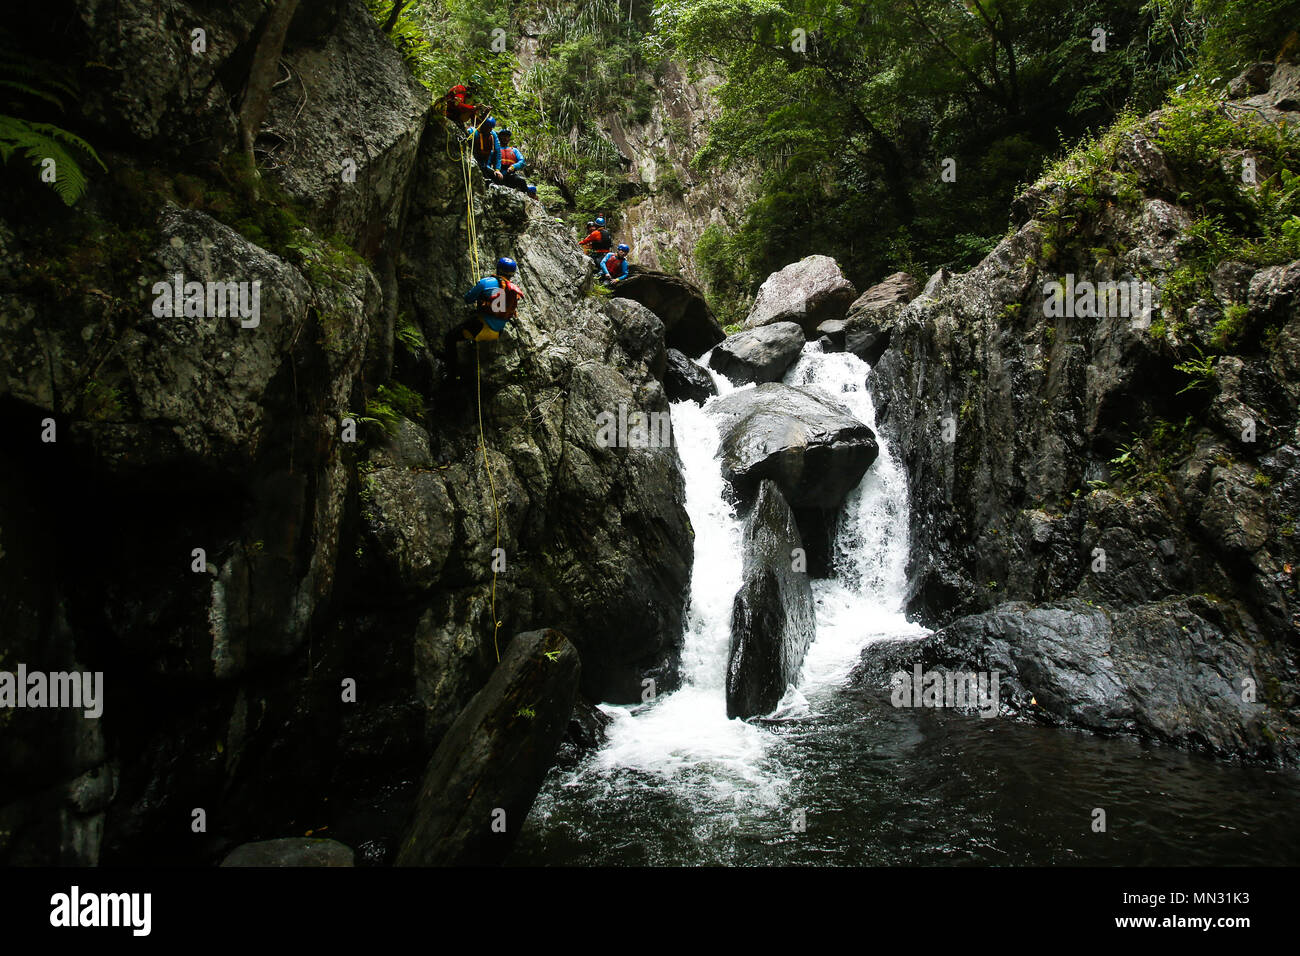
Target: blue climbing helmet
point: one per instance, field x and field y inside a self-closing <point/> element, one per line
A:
<point x="600" y="220"/>
<point x="503" y="133"/>
<point x="506" y="266"/>
<point x="489" y="122"/>
<point x="622" y="247"/>
<point x="532" y="190"/>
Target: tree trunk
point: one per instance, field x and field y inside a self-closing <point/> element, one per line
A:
<point x="394" y="15"/>
<point x="261" y="74"/>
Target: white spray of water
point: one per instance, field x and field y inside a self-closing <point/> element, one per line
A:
<point x="685" y="736"/>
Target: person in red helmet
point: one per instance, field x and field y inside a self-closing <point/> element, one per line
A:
<point x="455" y="106"/>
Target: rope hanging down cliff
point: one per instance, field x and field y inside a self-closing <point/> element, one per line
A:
<point x="467" y="167"/>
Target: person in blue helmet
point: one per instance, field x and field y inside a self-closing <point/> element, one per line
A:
<point x="613" y="268"/>
<point x="496" y="300"/>
<point x="598" y="242"/>
<point x="512" y="162"/>
<point x="487" y="150"/>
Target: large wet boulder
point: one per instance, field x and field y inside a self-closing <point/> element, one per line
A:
<point x="686" y="381"/>
<point x="812" y="447"/>
<point x="486" y="772"/>
<point x="772" y="618"/>
<point x="689" y="324"/>
<point x="291" y="851"/>
<point x="759" y="355"/>
<point x="1166" y="669"/>
<point x="343" y="137"/>
<point x="807" y="292"/>
<point x="865" y="330"/>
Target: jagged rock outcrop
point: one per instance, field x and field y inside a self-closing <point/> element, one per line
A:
<point x="808" y="292"/>
<point x="1054" y="457"/>
<point x="686" y="381"/>
<point x="865" y="331"/>
<point x="772" y="619"/>
<point x="678" y="200"/>
<point x="355" y="555"/>
<point x="689" y="325"/>
<point x="483" y="779"/>
<point x="759" y="355"/>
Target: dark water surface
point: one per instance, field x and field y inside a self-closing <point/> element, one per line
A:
<point x="885" y="786"/>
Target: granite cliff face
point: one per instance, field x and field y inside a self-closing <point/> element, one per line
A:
<point x="1139" y="509"/>
<point x="299" y="672"/>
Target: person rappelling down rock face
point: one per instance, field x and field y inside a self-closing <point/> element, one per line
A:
<point x="495" y="299"/>
<point x="613" y="267"/>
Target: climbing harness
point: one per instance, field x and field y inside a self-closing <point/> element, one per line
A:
<point x="467" y="167"/>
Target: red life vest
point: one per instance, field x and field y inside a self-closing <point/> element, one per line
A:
<point x="509" y="156"/>
<point x="501" y="302"/>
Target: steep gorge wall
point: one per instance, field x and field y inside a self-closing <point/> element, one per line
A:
<point x="324" y="561"/>
<point x="680" y="201"/>
<point x="1161" y="603"/>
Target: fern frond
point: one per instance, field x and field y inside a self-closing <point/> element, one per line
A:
<point x="41" y="141"/>
<point x="33" y="91"/>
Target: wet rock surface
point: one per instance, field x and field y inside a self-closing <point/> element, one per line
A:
<point x="772" y="619"/>
<point x="483" y="779"/>
<point x="1170" y="670"/>
<point x="689" y="325"/>
<point x="809" y="445"/>
<point x="684" y="380"/>
<point x="759" y="355"/>
<point x="292" y="851"/>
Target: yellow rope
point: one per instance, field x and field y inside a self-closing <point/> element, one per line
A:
<point x="467" y="165"/>
<point x="496" y="510"/>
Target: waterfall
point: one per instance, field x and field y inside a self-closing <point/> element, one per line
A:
<point x="685" y="736"/>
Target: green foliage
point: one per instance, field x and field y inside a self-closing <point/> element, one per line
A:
<point x="1217" y="37"/>
<point x="391" y="402"/>
<point x="1199" y="371"/>
<point x="30" y="88"/>
<point x="409" y="335"/>
<point x="722" y="265"/>
<point x="851" y="134"/>
<point x="408" y="36"/>
<point x="1147" y="461"/>
<point x="597" y="193"/>
<point x="1229" y="330"/>
<point x="101" y="402"/>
